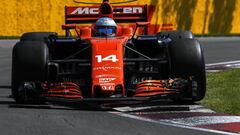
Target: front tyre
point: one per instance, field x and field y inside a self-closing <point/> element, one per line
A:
<point x="29" y="65"/>
<point x="187" y="61"/>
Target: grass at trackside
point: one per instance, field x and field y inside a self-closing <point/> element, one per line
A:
<point x="223" y="92"/>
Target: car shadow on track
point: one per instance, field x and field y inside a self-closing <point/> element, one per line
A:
<point x="159" y="106"/>
<point x="81" y="107"/>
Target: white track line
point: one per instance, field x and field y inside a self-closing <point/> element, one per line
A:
<point x="192" y="108"/>
<point x="203" y="120"/>
<point x="174" y="125"/>
<point x="223" y="63"/>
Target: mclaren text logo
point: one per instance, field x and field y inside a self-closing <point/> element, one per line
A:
<point x="95" y="10"/>
<point x="85" y="11"/>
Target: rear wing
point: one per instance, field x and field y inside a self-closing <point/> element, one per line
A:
<point x="121" y="14"/>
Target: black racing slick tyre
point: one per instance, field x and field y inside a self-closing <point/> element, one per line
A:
<point x="187" y="61"/>
<point x="29" y="65"/>
<point x="179" y="34"/>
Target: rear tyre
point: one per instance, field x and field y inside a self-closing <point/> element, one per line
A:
<point x="38" y="36"/>
<point x="186" y="60"/>
<point x="29" y="65"/>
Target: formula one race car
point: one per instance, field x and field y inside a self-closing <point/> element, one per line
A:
<point x="106" y="61"/>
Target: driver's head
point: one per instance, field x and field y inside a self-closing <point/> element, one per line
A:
<point x="105" y="26"/>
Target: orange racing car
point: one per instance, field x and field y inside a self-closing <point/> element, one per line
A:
<point x="106" y="60"/>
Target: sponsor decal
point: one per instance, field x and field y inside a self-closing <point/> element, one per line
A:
<point x="106" y="80"/>
<point x="107" y="84"/>
<point x="85" y="11"/>
<point x="95" y="10"/>
<point x="97" y="2"/>
<point x="106" y="87"/>
<point x="106" y="68"/>
<point x="131" y="10"/>
<point x="106" y="76"/>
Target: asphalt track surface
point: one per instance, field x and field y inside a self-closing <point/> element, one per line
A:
<point x="58" y="120"/>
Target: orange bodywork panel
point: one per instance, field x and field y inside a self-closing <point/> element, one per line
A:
<point x="85" y="32"/>
<point x="63" y="89"/>
<point x="107" y="63"/>
<point x="154" y="87"/>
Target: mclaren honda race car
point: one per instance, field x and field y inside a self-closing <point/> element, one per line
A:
<point x="106" y="60"/>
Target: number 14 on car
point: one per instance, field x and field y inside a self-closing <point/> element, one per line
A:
<point x="112" y="58"/>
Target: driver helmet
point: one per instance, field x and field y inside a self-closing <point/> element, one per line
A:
<point x="105" y="26"/>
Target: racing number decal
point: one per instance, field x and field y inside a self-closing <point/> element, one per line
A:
<point x="112" y="58"/>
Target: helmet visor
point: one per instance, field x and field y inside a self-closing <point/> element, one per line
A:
<point x="106" y="30"/>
